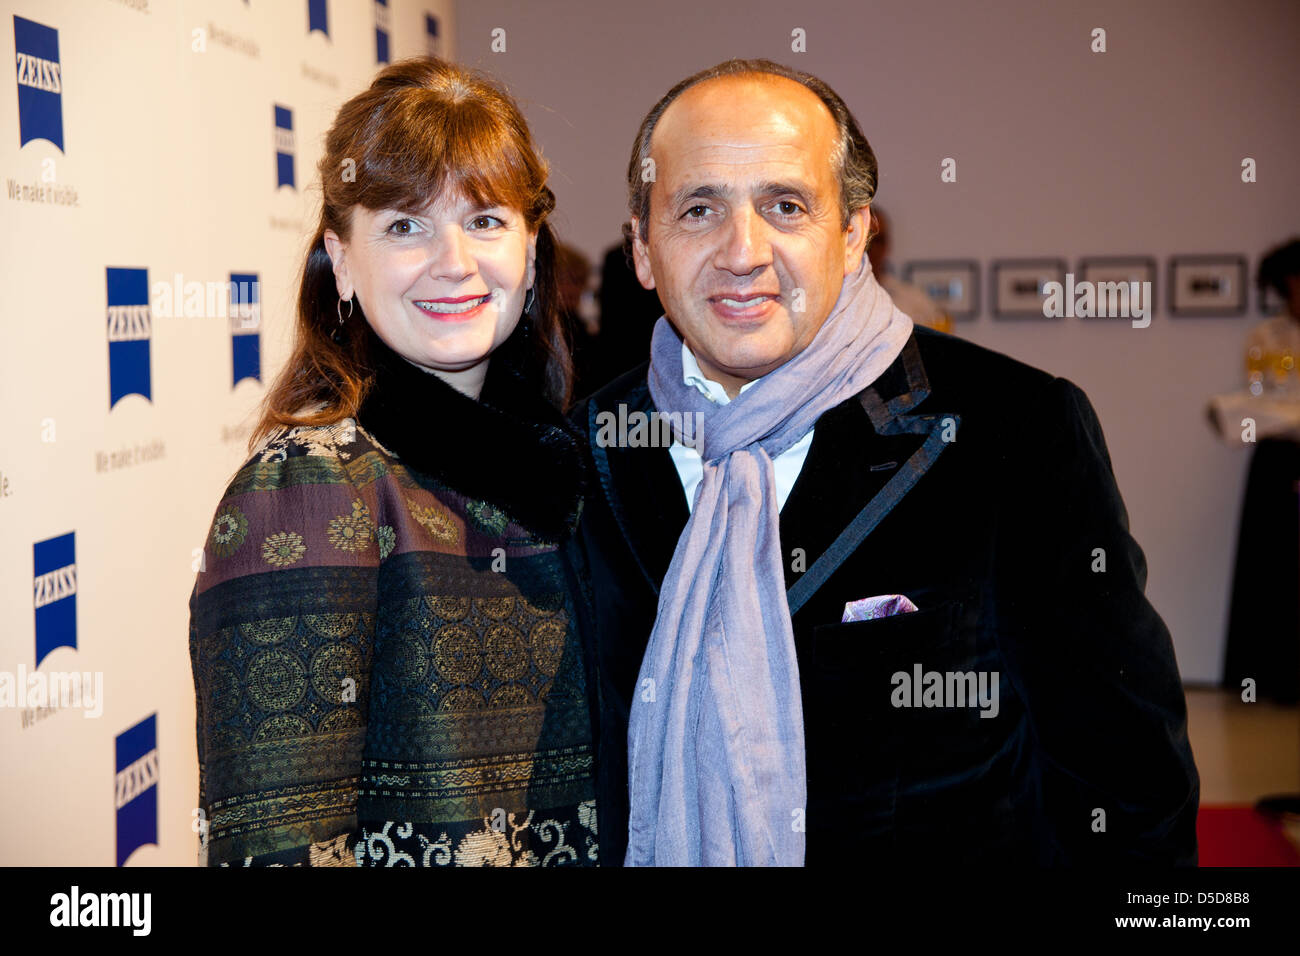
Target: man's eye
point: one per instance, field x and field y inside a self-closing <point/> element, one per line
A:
<point x="787" y="207"/>
<point x="701" y="209"/>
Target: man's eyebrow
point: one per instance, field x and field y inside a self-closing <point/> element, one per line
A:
<point x="769" y="188"/>
<point x="774" y="188"/>
<point x="698" y="192"/>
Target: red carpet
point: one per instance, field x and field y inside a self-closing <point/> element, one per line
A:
<point x="1239" y="836"/>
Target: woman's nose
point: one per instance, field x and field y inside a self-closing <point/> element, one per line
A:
<point x="452" y="260"/>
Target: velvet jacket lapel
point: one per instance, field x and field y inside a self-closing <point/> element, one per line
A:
<point x="510" y="448"/>
<point x="868" y="451"/>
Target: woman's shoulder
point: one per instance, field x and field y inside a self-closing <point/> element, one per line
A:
<point x="305" y="498"/>
<point x="323" y="453"/>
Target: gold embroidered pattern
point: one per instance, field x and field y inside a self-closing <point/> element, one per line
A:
<point x="456" y="653"/>
<point x="324" y="441"/>
<point x="502" y="839"/>
<point x="276" y="680"/>
<point x="352" y="532"/>
<point x="267" y="631"/>
<point x="437" y="521"/>
<point x="283" y="548"/>
<point x="387" y="538"/>
<point x="228" y="531"/>
<point x="450" y="607"/>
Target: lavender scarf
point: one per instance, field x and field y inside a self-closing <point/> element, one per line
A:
<point x="715" y="738"/>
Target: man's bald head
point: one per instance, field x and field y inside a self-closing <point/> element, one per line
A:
<point x="853" y="160"/>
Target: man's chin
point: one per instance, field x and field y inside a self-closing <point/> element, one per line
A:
<point x="745" y="366"/>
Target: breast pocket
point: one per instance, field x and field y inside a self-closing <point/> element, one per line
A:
<point x="860" y="745"/>
<point x="859" y="651"/>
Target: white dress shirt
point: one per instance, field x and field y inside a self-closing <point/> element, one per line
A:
<point x="690" y="467"/>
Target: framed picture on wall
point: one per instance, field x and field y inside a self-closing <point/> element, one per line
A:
<point x="953" y="284"/>
<point x="1020" y="286"/>
<point x="1125" y="270"/>
<point x="1270" y="303"/>
<point x="1212" y="285"/>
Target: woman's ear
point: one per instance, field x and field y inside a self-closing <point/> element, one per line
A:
<point x="336" y="250"/>
<point x="531" y="277"/>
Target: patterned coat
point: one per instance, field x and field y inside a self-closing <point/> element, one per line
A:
<point x="383" y="637"/>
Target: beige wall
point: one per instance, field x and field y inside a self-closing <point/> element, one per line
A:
<point x="1060" y="152"/>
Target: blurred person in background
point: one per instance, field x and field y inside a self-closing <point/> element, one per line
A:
<point x="912" y="299"/>
<point x="1264" y="622"/>
<point x="578" y="315"/>
<point x="628" y="313"/>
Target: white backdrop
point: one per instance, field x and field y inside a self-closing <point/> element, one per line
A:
<point x="168" y="165"/>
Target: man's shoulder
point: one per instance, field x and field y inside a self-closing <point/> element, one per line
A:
<point x="1005" y="397"/>
<point x="960" y="370"/>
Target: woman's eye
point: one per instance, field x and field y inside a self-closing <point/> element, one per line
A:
<point x="485" y="222"/>
<point x="395" y="227"/>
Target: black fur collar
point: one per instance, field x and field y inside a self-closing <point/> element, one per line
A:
<point x="510" y="448"/>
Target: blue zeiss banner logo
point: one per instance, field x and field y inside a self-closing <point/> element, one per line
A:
<point x="284" y="147"/>
<point x="130" y="325"/>
<point x="245" y="327"/>
<point x="40" y="83"/>
<point x="136" y="787"/>
<point x="54" y="578"/>
<point x="316" y="17"/>
<point x="381" y="31"/>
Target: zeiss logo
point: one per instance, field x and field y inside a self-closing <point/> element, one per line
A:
<point x="136" y="788"/>
<point x="40" y="83"/>
<point x="316" y="17"/>
<point x="54" y="563"/>
<point x="381" y="31"/>
<point x="245" y="323"/>
<point x="284" y="147"/>
<point x="130" y="325"/>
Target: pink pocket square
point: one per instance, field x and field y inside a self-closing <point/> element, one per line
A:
<point x="882" y="605"/>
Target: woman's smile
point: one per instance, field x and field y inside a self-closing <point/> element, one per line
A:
<point x="454" y="310"/>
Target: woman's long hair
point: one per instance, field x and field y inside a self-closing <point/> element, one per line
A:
<point x="423" y="127"/>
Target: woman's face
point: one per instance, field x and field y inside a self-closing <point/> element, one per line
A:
<point x="442" y="286"/>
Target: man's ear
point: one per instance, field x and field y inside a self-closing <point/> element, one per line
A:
<point x="855" y="239"/>
<point x="641" y="256"/>
<point x="334" y="246"/>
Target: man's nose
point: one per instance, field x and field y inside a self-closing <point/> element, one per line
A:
<point x="452" y="260"/>
<point x="745" y="244"/>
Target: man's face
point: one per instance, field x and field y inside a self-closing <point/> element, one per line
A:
<point x="745" y="243"/>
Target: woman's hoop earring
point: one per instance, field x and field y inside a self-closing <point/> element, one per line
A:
<point x="335" y="337"/>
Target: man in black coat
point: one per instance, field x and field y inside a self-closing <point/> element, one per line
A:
<point x="1030" y="710"/>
